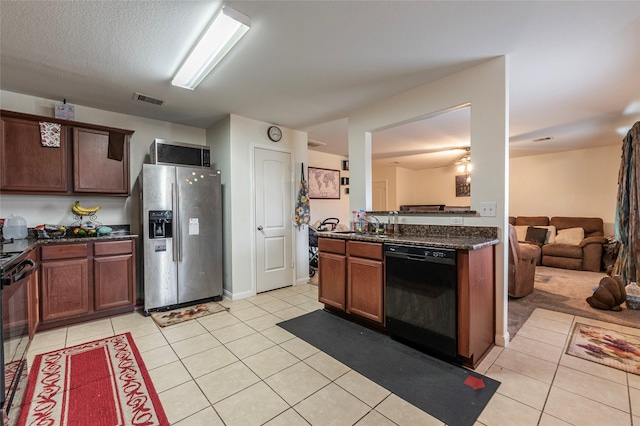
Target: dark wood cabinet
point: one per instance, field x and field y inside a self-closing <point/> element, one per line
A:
<point x="476" y="304"/>
<point x="64" y="273"/>
<point x="113" y="274"/>
<point x="93" y="170"/>
<point x="84" y="281"/>
<point x="332" y="269"/>
<point x="27" y="165"/>
<point x="352" y="278"/>
<point x="80" y="165"/>
<point x="365" y="280"/>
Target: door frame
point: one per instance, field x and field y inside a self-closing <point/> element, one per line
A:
<point x="254" y="258"/>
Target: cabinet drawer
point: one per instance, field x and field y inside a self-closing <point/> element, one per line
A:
<point x="366" y="250"/>
<point x="329" y="245"/>
<point x="109" y="248"/>
<point x="63" y="251"/>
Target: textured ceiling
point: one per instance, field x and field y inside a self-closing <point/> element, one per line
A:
<point x="307" y="64"/>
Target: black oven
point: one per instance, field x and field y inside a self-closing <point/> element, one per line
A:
<point x="15" y="327"/>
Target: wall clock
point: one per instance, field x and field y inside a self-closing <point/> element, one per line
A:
<point x="275" y="134"/>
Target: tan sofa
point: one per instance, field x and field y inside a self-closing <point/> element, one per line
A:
<point x="579" y="240"/>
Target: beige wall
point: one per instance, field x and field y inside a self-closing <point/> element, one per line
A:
<point x="233" y="140"/>
<point x="322" y="209"/>
<point x="573" y="183"/>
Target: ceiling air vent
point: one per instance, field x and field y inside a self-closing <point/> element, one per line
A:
<point x="148" y="99"/>
<point x="546" y="138"/>
<point x="313" y="144"/>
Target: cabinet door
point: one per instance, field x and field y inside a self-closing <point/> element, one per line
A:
<point x="93" y="170"/>
<point x="113" y="281"/>
<point x="65" y="289"/>
<point x="331" y="283"/>
<point x="365" y="288"/>
<point x="27" y="165"/>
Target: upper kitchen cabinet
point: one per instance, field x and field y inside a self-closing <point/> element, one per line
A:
<point x="99" y="163"/>
<point x="43" y="155"/>
<point x="27" y="165"/>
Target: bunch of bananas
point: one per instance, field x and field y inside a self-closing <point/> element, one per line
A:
<point x="78" y="210"/>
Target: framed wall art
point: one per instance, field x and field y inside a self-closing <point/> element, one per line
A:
<point x="463" y="185"/>
<point x="324" y="183"/>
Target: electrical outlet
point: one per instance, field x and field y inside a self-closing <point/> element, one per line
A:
<point x="455" y="221"/>
<point x="488" y="208"/>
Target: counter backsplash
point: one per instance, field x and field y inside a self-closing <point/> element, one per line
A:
<point x="449" y="231"/>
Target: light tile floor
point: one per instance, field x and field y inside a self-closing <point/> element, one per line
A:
<point x="240" y="368"/>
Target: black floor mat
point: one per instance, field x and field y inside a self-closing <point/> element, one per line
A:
<point x="448" y="392"/>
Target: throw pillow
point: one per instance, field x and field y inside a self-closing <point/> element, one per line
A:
<point x="536" y="235"/>
<point x="551" y="233"/>
<point x="572" y="236"/>
<point x="521" y="231"/>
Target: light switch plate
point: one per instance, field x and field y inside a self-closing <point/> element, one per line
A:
<point x="488" y="208"/>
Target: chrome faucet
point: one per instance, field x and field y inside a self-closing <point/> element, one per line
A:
<point x="374" y="228"/>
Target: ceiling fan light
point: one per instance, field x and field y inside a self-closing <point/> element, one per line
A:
<point x="226" y="29"/>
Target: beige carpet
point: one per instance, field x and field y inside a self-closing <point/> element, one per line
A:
<point x="564" y="290"/>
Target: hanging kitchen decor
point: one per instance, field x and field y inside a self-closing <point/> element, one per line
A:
<point x="301" y="215"/>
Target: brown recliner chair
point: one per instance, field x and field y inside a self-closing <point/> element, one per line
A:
<point x="522" y="265"/>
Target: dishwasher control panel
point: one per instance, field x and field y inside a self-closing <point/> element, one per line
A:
<point x="426" y="253"/>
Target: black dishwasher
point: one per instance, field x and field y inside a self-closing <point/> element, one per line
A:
<point x="422" y="298"/>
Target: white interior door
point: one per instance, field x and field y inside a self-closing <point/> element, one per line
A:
<point x="274" y="235"/>
<point x="379" y="194"/>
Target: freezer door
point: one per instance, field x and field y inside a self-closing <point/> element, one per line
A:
<point x="200" y="234"/>
<point x="160" y="269"/>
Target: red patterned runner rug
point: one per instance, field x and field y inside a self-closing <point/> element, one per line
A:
<point x="103" y="382"/>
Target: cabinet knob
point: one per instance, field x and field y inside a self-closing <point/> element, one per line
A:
<point x="260" y="228"/>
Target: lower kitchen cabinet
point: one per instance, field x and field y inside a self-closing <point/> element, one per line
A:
<point x="332" y="272"/>
<point x="476" y="304"/>
<point x="365" y="280"/>
<point x="84" y="281"/>
<point x="351" y="278"/>
<point x="65" y="281"/>
<point x="113" y="274"/>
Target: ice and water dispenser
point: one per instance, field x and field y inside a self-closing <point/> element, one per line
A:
<point x="160" y="224"/>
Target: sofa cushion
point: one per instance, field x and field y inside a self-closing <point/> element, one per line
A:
<point x="536" y="235"/>
<point x="532" y="220"/>
<point x="562" y="250"/>
<point x="571" y="236"/>
<point x="593" y="226"/>
<point x="521" y="231"/>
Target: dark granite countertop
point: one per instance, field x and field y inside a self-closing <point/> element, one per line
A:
<point x="20" y="247"/>
<point x="466" y="238"/>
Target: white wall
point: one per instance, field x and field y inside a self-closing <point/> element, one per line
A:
<point x="485" y="87"/>
<point x="233" y="141"/>
<point x="574" y="183"/>
<point x="322" y="209"/>
<point x="56" y="209"/>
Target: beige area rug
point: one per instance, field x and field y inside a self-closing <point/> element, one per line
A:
<point x="608" y="347"/>
<point x="564" y="290"/>
<point x="176" y="316"/>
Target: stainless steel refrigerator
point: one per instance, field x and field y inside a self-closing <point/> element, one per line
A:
<point x="181" y="218"/>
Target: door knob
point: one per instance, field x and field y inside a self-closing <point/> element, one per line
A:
<point x="260" y="228"/>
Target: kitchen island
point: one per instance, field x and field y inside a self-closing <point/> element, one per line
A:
<point x="353" y="279"/>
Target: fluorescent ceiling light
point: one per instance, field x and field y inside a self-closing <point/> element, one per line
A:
<point x="227" y="27"/>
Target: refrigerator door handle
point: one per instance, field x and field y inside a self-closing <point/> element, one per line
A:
<point x="178" y="223"/>
<point x="175" y="222"/>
